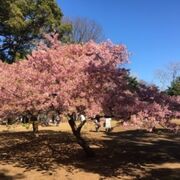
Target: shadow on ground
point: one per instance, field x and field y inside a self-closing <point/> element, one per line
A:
<point x="129" y="153"/>
<point x="4" y="176"/>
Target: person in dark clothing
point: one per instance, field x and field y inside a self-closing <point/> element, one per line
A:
<point x="97" y="122"/>
<point x="72" y="117"/>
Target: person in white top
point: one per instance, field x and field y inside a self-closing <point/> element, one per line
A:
<point x="82" y="118"/>
<point x="108" y="124"/>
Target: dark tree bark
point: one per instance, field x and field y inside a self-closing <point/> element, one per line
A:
<point x="77" y="133"/>
<point x="35" y="125"/>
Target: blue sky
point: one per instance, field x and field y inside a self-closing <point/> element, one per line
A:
<point x="149" y="28"/>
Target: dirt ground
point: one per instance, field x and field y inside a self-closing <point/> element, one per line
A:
<point x="121" y="154"/>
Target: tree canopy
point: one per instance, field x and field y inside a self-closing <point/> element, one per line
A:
<point x="67" y="76"/>
<point x="22" y="23"/>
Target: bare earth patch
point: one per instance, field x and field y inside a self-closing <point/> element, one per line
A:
<point x="121" y="154"/>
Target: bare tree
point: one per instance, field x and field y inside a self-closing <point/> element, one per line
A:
<point x="162" y="77"/>
<point x="174" y="70"/>
<point x="167" y="75"/>
<point x="84" y="29"/>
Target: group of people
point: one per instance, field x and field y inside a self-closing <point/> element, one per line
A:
<point x="99" y="121"/>
<point x="103" y="121"/>
<point x="45" y="119"/>
<point x="75" y="116"/>
<point x="54" y="118"/>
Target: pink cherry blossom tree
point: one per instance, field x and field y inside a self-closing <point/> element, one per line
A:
<point x="71" y="77"/>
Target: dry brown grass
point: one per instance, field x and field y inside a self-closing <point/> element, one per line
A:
<point x="121" y="154"/>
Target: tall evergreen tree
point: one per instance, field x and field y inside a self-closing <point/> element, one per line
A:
<point x="22" y="24"/>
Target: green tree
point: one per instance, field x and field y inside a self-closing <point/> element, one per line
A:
<point x="22" y="24"/>
<point x="174" y="89"/>
<point x="133" y="82"/>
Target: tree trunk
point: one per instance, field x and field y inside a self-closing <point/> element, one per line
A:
<point x="77" y="133"/>
<point x="35" y="125"/>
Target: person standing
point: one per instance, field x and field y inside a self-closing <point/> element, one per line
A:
<point x="108" y="124"/>
<point x="97" y="122"/>
<point x="82" y="117"/>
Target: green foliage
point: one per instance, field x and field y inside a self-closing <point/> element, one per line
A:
<point x="174" y="89"/>
<point x="132" y="82"/>
<point x="22" y="24"/>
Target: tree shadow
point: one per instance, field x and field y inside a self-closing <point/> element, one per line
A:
<point x="40" y="153"/>
<point x="133" y="152"/>
<point x="163" y="173"/>
<point x="4" y="176"/>
<point x="128" y="153"/>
